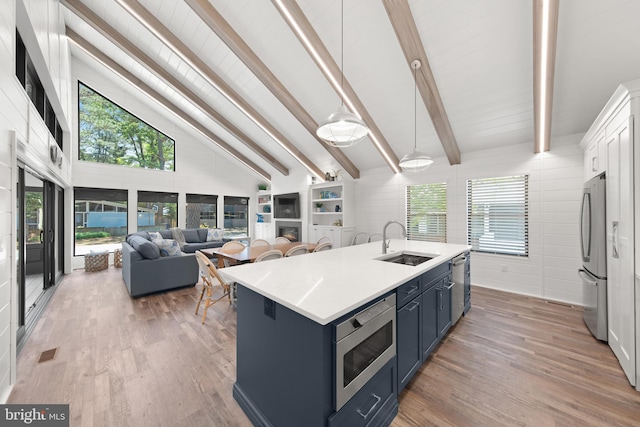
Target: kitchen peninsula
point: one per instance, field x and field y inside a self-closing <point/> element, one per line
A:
<point x="297" y="314"/>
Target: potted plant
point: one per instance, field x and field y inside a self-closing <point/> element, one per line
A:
<point x="262" y="187"/>
<point x="318" y="207"/>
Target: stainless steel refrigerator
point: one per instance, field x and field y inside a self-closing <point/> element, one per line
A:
<point x="593" y="244"/>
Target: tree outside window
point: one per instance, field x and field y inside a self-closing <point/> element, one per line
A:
<point x="157" y="211"/>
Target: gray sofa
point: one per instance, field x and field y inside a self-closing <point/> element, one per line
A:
<point x="145" y="271"/>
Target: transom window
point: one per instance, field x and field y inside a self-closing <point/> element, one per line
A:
<point x="498" y="215"/>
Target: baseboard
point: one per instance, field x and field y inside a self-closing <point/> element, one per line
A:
<point x="254" y="414"/>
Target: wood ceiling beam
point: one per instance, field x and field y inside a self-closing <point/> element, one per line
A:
<point x="142" y="86"/>
<point x="408" y="36"/>
<point x="290" y="11"/>
<point x="232" y="39"/>
<point x="120" y="41"/>
<point x="544" y="65"/>
<point x="150" y="22"/>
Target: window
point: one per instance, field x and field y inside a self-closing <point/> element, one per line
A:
<point x="201" y="211"/>
<point x="236" y="216"/>
<point x="427" y="212"/>
<point x="498" y="215"/>
<point x="100" y="219"/>
<point x="157" y="211"/>
<point x="110" y="134"/>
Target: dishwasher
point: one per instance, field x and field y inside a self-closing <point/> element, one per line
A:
<point x="457" y="291"/>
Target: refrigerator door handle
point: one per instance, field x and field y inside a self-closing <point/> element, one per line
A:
<point x="586" y="205"/>
<point x="586" y="277"/>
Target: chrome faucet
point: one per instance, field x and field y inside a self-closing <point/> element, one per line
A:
<point x="385" y="244"/>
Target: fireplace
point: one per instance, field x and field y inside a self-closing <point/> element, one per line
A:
<point x="292" y="230"/>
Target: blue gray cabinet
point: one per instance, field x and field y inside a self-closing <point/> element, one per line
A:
<point x="423" y="320"/>
<point x="467" y="282"/>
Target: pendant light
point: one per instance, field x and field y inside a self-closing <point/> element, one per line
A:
<point x="342" y="128"/>
<point x="416" y="161"/>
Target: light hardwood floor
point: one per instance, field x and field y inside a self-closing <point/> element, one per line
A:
<point x="149" y="362"/>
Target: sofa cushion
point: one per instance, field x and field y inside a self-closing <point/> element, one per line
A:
<point x="202" y="234"/>
<point x="214" y="235"/>
<point x="166" y="234"/>
<point x="191" y="236"/>
<point x="143" y="234"/>
<point x="169" y="247"/>
<point x="144" y="246"/>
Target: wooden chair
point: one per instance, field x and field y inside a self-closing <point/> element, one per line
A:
<point x="259" y="242"/>
<point x="324" y="240"/>
<point x="297" y="250"/>
<point x="209" y="274"/>
<point x="232" y="247"/>
<point x="360" y="238"/>
<point x="325" y="246"/>
<point x="282" y="241"/>
<point x="267" y="255"/>
<point x="375" y="237"/>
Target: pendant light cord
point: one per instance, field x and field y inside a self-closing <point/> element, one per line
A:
<point x="342" y="50"/>
<point x="415" y="108"/>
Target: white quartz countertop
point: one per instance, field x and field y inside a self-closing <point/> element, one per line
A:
<point x="325" y="285"/>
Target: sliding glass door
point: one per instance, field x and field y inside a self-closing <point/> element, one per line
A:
<point x="39" y="245"/>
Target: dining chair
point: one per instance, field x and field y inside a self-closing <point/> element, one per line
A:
<point x="297" y="250"/>
<point x="232" y="247"/>
<point x="324" y="246"/>
<point x="360" y="238"/>
<point x="259" y="242"/>
<point x="282" y="241"/>
<point x="268" y="255"/>
<point x="209" y="274"/>
<point x="324" y="240"/>
<point x="375" y="237"/>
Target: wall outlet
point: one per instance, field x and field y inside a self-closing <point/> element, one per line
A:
<point x="503" y="268"/>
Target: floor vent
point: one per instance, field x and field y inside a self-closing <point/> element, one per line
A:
<point x="564" y="304"/>
<point x="45" y="356"/>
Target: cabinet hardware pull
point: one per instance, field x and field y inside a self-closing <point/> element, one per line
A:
<point x="614" y="239"/>
<point x="413" y="289"/>
<point x="377" y="400"/>
<point x="440" y="294"/>
<point x="451" y="285"/>
<point x="413" y="307"/>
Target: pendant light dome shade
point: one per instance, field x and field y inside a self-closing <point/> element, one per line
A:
<point x="342" y="128"/>
<point x="416" y="161"/>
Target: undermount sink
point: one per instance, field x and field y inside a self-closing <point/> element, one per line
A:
<point x="407" y="259"/>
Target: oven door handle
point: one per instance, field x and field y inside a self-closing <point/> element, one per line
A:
<point x="377" y="400"/>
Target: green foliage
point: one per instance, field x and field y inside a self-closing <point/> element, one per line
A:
<point x="110" y="134"/>
<point x="91" y="235"/>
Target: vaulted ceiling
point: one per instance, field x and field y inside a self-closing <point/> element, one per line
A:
<point x="238" y="74"/>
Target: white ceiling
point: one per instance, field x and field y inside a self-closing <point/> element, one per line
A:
<point x="480" y="52"/>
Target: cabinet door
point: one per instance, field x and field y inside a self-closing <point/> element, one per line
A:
<point x="408" y="338"/>
<point x="314" y="234"/>
<point x="444" y="309"/>
<point x="620" y="250"/>
<point x="467" y="283"/>
<point x="430" y="310"/>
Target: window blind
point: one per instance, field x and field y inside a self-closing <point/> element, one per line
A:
<point x="202" y="198"/>
<point x="498" y="215"/>
<point x="427" y="212"/>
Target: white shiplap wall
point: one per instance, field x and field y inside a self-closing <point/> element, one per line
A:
<point x="200" y="168"/>
<point x="555" y="188"/>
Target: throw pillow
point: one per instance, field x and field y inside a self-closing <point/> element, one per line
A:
<point x="146" y="248"/>
<point x="155" y="236"/>
<point x="214" y="235"/>
<point x="169" y="247"/>
<point x="191" y="236"/>
<point x="178" y="236"/>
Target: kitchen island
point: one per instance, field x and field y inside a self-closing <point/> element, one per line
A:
<point x="288" y="314"/>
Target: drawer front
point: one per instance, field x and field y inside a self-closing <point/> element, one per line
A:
<point x="408" y="291"/>
<point x="433" y="277"/>
<point x="372" y="403"/>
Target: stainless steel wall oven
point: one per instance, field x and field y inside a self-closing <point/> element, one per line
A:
<point x="364" y="343"/>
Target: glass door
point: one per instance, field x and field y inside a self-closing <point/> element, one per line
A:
<point x="34" y="229"/>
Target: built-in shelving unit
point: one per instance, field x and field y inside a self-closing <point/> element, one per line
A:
<point x="264" y="229"/>
<point x="332" y="212"/>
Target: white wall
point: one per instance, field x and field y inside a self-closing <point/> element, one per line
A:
<point x="24" y="137"/>
<point x="200" y="168"/>
<point x="555" y="189"/>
